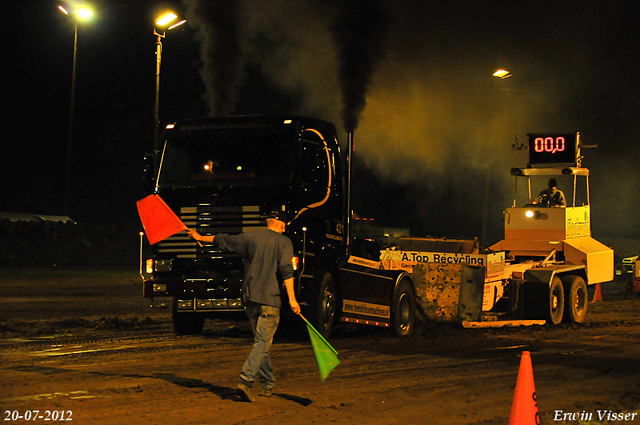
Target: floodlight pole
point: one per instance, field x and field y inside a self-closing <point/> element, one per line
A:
<point x="156" y="109"/>
<point x="67" y="179"/>
<point x="165" y="19"/>
<point x="82" y="13"/>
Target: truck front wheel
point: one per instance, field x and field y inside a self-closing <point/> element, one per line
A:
<point x="404" y="310"/>
<point x="556" y="301"/>
<point x="186" y="323"/>
<point x="576" y="299"/>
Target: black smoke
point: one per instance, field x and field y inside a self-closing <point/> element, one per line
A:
<point x="433" y="125"/>
<point x="359" y="33"/>
<point x="219" y="25"/>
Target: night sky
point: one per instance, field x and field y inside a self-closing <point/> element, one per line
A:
<point x="434" y="129"/>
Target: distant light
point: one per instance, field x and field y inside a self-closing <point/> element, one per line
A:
<point x="502" y="73"/>
<point x="84" y="13"/>
<point x="166" y="19"/>
<point x="239" y="168"/>
<point x="170" y="126"/>
<point x="529" y="213"/>
<point x="63" y="10"/>
<point x="287" y="121"/>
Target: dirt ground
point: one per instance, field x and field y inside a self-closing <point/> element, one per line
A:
<point x="84" y="346"/>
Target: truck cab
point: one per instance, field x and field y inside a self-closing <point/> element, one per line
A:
<point x="223" y="175"/>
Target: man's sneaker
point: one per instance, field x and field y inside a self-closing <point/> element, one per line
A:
<point x="266" y="391"/>
<point x="244" y="391"/>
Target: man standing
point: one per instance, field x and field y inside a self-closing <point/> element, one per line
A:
<point x="267" y="258"/>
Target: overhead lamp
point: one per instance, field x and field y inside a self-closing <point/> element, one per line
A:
<point x="81" y="12"/>
<point x="502" y="73"/>
<point x="166" y="19"/>
<point x="84" y="13"/>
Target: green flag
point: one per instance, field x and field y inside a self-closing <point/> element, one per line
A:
<point x="326" y="355"/>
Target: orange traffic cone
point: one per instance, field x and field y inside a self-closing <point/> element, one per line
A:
<point x="598" y="295"/>
<point x="524" y="410"/>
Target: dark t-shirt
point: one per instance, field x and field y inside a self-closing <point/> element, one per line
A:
<point x="267" y="261"/>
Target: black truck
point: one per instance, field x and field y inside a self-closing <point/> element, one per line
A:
<point x="222" y="175"/>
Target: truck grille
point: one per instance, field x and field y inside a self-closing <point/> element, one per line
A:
<point x="210" y="220"/>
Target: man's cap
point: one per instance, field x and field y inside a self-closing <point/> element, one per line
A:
<point x="278" y="215"/>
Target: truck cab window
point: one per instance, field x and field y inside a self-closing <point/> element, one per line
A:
<point x="226" y="159"/>
<point x="314" y="171"/>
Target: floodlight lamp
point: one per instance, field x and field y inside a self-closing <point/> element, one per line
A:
<point x="502" y="73"/>
<point x="84" y="13"/>
<point x="166" y="19"/>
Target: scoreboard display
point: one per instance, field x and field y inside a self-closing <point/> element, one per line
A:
<point x="550" y="149"/>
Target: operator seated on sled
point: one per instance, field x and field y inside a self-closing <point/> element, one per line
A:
<point x="551" y="197"/>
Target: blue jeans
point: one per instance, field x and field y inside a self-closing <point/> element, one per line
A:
<point x="264" y="322"/>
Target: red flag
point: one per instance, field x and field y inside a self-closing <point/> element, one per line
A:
<point x="158" y="220"/>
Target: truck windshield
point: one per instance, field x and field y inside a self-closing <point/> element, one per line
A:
<point x="228" y="158"/>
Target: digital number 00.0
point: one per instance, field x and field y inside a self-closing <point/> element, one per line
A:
<point x="549" y="144"/>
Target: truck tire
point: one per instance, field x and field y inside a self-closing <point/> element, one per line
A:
<point x="404" y="310"/>
<point x="555" y="309"/>
<point x="576" y="299"/>
<point x="186" y="323"/>
<point x="323" y="305"/>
